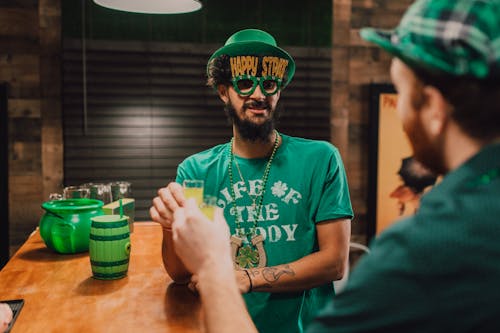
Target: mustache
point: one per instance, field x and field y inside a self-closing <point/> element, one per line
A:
<point x="257" y="105"/>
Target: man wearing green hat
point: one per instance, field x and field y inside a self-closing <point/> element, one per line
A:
<point x="436" y="271"/>
<point x="285" y="199"/>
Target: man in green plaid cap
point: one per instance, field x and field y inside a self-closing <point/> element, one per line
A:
<point x="438" y="270"/>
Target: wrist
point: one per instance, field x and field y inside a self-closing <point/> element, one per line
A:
<point x="214" y="267"/>
<point x="250" y="282"/>
<point x="214" y="277"/>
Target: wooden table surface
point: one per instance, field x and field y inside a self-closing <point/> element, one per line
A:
<point x="61" y="296"/>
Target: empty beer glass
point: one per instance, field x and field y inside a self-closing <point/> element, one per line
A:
<point x="120" y="190"/>
<point x="75" y="192"/>
<point x="99" y="191"/>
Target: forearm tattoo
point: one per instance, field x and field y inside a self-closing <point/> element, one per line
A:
<point x="273" y="274"/>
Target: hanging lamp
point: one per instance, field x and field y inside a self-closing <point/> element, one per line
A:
<point x="152" y="6"/>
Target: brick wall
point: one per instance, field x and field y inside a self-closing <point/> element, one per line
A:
<point x="356" y="64"/>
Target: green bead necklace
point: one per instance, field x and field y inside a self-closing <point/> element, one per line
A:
<point x="249" y="255"/>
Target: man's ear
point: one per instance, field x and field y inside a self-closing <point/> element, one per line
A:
<point x="223" y="92"/>
<point x="436" y="111"/>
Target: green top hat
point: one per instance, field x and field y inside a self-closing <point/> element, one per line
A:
<point x="458" y="37"/>
<point x="254" y="42"/>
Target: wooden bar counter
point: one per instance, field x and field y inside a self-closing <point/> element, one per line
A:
<point x="61" y="295"/>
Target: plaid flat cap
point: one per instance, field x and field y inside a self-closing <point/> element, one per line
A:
<point x="458" y="37"/>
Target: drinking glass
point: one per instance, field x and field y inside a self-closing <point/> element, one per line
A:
<point x="99" y="191"/>
<point x="75" y="192"/>
<point x="55" y="196"/>
<point x="208" y="206"/>
<point x="193" y="188"/>
<point x="120" y="190"/>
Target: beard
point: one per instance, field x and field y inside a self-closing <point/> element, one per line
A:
<point x="249" y="130"/>
<point x="428" y="152"/>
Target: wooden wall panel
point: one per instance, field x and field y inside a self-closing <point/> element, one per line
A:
<point x="24" y="108"/>
<point x="4" y="177"/>
<point x="25" y="200"/>
<point x="19" y="22"/>
<point x="30" y="39"/>
<point x="19" y="69"/>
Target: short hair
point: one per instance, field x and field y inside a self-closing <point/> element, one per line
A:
<point x="219" y="71"/>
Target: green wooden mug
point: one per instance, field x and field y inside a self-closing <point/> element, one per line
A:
<point x="109" y="246"/>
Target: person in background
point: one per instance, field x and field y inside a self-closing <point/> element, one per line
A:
<point x="285" y="199"/>
<point x="5" y="316"/>
<point x="416" y="179"/>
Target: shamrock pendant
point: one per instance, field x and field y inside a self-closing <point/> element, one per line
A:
<point x="249" y="255"/>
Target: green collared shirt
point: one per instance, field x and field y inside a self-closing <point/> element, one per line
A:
<point x="437" y="271"/>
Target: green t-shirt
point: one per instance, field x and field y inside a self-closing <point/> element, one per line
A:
<point x="437" y="271"/>
<point x="307" y="184"/>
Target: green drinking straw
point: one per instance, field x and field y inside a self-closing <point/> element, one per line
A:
<point x="121" y="208"/>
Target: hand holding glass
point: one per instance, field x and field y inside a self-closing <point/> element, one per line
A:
<point x="194" y="189"/>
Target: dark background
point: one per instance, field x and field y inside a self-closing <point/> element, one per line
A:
<point x="293" y="22"/>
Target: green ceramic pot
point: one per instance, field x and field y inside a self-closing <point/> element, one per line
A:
<point x="65" y="226"/>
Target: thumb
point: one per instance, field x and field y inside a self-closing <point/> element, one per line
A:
<point x="192" y="211"/>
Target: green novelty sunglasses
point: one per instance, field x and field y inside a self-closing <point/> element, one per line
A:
<point x="245" y="85"/>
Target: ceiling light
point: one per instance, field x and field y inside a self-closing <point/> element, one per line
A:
<point x="152" y="6"/>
